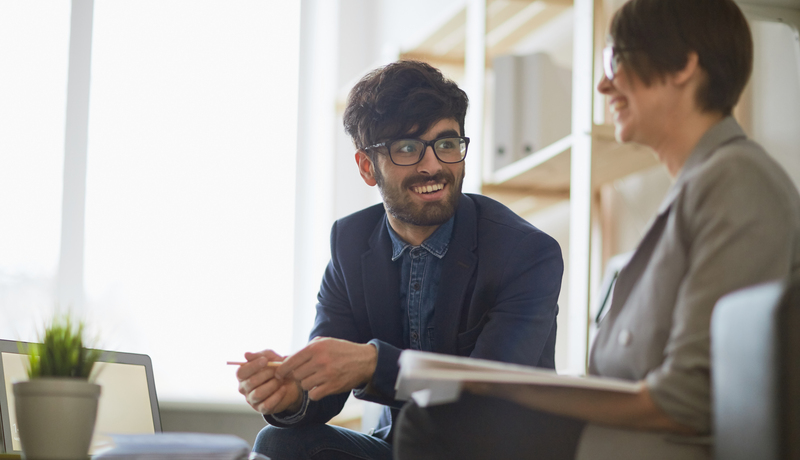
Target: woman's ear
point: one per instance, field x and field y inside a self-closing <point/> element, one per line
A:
<point x="691" y="69"/>
<point x="366" y="168"/>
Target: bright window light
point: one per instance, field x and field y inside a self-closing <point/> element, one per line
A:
<point x="190" y="185"/>
<point x="34" y="40"/>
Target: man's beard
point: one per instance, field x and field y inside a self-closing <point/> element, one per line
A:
<point x="398" y="203"/>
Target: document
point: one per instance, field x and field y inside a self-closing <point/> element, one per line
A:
<point x="177" y="446"/>
<point x="433" y="378"/>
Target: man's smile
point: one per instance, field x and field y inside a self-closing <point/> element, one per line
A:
<point x="429" y="192"/>
<point x="427" y="188"/>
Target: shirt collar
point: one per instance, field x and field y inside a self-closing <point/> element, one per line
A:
<point x="436" y="244"/>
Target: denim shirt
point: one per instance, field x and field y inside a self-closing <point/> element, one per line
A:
<point x="420" y="275"/>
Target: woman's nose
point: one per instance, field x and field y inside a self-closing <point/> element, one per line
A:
<point x="604" y="87"/>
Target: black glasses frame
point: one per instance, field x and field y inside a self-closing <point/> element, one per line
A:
<point x="426" y="144"/>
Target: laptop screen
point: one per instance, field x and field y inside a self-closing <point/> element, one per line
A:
<point x="127" y="398"/>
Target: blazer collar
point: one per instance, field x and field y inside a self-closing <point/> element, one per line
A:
<point x="723" y="132"/>
<point x="727" y="130"/>
<point x="381" y="279"/>
<point x="465" y="226"/>
<point x="458" y="266"/>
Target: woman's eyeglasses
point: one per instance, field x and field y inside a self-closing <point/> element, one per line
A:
<point x="611" y="60"/>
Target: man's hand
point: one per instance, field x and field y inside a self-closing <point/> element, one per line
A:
<point x="263" y="391"/>
<point x="329" y="366"/>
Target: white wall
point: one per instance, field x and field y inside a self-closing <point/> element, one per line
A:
<point x="776" y="95"/>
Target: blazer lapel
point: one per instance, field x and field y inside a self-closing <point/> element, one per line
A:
<point x="631" y="273"/>
<point x="458" y="266"/>
<point x="723" y="132"/>
<point x="381" y="278"/>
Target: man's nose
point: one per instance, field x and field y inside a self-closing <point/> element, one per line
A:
<point x="430" y="163"/>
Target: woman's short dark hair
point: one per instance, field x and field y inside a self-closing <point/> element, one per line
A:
<point x="402" y="98"/>
<point x="654" y="37"/>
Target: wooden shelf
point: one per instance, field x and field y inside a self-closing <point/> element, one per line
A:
<point x="612" y="161"/>
<point x="543" y="172"/>
<point x="507" y="23"/>
<point x="543" y="177"/>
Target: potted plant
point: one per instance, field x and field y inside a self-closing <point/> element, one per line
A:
<point x="57" y="407"/>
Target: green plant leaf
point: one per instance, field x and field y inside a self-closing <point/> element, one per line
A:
<point x="61" y="352"/>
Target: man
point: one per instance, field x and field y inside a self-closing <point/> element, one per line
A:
<point x="429" y="269"/>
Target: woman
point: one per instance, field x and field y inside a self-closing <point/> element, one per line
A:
<point x="674" y="69"/>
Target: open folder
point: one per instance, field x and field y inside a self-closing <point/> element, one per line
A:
<point x="433" y="378"/>
<point x="177" y="446"/>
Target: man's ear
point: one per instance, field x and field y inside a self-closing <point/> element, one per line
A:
<point x="366" y="168"/>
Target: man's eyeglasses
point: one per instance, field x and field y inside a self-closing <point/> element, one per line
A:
<point x="407" y="152"/>
<point x="611" y="60"/>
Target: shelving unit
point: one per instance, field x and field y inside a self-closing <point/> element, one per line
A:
<point x="546" y="172"/>
<point x="575" y="167"/>
<point x="507" y="22"/>
<point x="572" y="168"/>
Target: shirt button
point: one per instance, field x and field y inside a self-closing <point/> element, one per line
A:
<point x="415" y="286"/>
<point x="624" y="337"/>
<point x="414" y="336"/>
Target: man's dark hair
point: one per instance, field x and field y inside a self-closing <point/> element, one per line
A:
<point x="402" y="98"/>
<point x="654" y="38"/>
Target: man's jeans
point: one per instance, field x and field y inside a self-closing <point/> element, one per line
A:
<point x="320" y="442"/>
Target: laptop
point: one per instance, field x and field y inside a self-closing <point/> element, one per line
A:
<point x="128" y="403"/>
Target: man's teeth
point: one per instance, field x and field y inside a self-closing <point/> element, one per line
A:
<point x="429" y="188"/>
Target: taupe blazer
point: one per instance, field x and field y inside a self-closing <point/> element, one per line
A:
<point x="730" y="220"/>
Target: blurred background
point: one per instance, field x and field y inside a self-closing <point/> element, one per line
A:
<point x="170" y="169"/>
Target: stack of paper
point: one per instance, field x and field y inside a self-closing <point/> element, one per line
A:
<point x="432" y="378"/>
<point x="176" y="446"/>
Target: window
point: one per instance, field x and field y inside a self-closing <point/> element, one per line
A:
<point x="190" y="184"/>
<point x="34" y="39"/>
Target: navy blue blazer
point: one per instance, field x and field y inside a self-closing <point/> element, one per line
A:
<point x="497" y="297"/>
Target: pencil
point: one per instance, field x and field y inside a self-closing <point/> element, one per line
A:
<point x="239" y="363"/>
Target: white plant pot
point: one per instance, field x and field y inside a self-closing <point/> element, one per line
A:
<point x="56" y="417"/>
